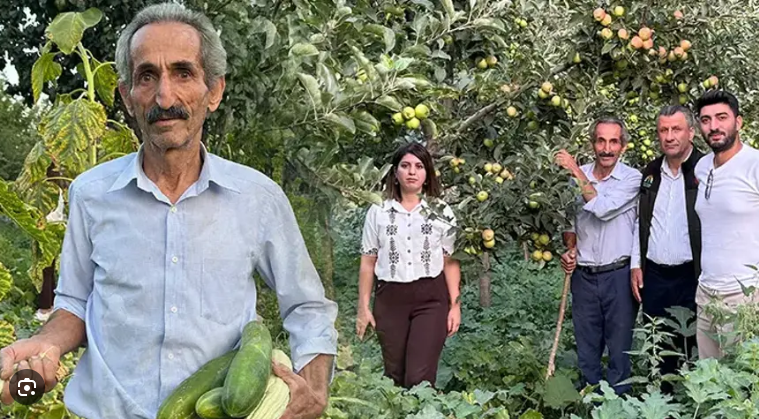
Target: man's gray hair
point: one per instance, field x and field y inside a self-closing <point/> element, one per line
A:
<point x="673" y="109"/>
<point x="212" y="53"/>
<point x="609" y="120"/>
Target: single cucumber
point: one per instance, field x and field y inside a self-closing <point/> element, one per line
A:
<point x="208" y="405"/>
<point x="181" y="402"/>
<point x="277" y="394"/>
<point x="249" y="372"/>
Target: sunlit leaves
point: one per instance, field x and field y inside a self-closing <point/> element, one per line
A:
<point x="43" y="71"/>
<point x="67" y="29"/>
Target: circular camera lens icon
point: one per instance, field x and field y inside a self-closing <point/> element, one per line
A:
<point x="27" y="387"/>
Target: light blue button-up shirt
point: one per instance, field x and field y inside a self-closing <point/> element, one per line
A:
<point x="165" y="288"/>
<point x="605" y="224"/>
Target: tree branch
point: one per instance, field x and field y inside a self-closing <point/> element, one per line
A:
<point x="493" y="106"/>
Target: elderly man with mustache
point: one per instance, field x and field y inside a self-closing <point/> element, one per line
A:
<point x="728" y="207"/>
<point x="603" y="307"/>
<point x="157" y="265"/>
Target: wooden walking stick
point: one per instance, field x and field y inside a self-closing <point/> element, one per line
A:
<point x="570" y="241"/>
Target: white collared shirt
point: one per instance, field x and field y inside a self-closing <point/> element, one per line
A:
<point x="605" y="224"/>
<point x="408" y="244"/>
<point x="729" y="220"/>
<point x="669" y="241"/>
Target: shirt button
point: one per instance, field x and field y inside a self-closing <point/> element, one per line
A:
<point x="173" y="209"/>
<point x="171" y="356"/>
<point x="174" y="309"/>
<point x="409" y="251"/>
<point x="409" y="263"/>
<point x="175" y="259"/>
<point x="408" y="238"/>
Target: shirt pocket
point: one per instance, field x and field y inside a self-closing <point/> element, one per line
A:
<point x="226" y="287"/>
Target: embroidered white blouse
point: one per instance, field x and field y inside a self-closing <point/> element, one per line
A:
<point x="408" y="244"/>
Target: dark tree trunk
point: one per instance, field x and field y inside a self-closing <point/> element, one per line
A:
<point x="485" y="294"/>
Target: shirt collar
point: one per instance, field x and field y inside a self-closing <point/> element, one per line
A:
<point x="391" y="204"/>
<point x="665" y="166"/>
<point x="210" y="172"/>
<point x="616" y="173"/>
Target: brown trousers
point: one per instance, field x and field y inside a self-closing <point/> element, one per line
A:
<point x="412" y="325"/>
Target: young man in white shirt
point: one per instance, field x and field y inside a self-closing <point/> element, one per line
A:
<point x="603" y="307"/>
<point x="728" y="207"/>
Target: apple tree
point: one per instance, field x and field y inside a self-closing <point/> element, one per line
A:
<point x="320" y="93"/>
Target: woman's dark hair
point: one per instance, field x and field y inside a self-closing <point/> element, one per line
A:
<point x="431" y="186"/>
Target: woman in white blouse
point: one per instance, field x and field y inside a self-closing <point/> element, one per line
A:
<point x="407" y="243"/>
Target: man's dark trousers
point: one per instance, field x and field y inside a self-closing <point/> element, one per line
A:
<point x="665" y="287"/>
<point x="603" y="314"/>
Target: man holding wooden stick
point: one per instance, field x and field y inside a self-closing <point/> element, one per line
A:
<point x="603" y="307"/>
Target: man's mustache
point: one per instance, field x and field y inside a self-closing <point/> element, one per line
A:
<point x="717" y="132"/>
<point x="605" y="154"/>
<point x="156" y="113"/>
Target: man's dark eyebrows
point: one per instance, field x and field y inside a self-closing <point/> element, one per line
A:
<point x="184" y="65"/>
<point x="145" y="67"/>
<point x="179" y="65"/>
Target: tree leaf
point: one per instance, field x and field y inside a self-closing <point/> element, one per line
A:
<point x="420" y="23"/>
<point x="91" y="17"/>
<point x="7" y="334"/>
<point x="441" y="54"/>
<point x="429" y="128"/>
<point x="450" y="11"/>
<point x="35" y="167"/>
<point x="490" y="23"/>
<point x="411" y="83"/>
<point x="389" y="102"/>
<point x="31" y="220"/>
<point x="387" y="34"/>
<point x="365" y="164"/>
<point x="608" y="47"/>
<point x="43" y="71"/>
<point x="328" y="79"/>
<point x="116" y="143"/>
<point x="55" y="412"/>
<point x="263" y="25"/>
<point x="560" y="392"/>
<point x="367" y="123"/>
<point x="6" y="281"/>
<point x="69" y="129"/>
<point x="106" y="81"/>
<point x="341" y="121"/>
<point x="312" y="87"/>
<point x="425" y="3"/>
<point x="531" y="414"/>
<point x="43" y="195"/>
<point x="389" y="38"/>
<point x="304" y="49"/>
<point x="67" y="29"/>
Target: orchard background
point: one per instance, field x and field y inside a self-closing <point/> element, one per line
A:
<point x="319" y="94"/>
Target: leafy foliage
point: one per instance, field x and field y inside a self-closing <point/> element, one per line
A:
<point x="17" y="131"/>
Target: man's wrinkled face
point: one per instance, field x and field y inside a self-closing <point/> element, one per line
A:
<point x="675" y="136"/>
<point x="719" y="126"/>
<point x="169" y="97"/>
<point x="608" y="144"/>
